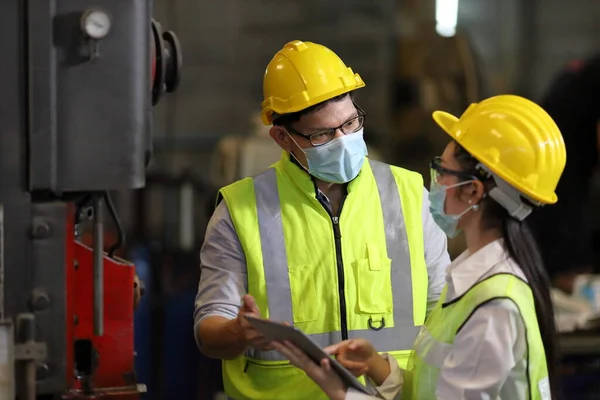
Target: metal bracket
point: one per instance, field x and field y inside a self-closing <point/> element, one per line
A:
<point x="31" y="351"/>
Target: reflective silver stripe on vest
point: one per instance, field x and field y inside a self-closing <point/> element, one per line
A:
<point x="275" y="262"/>
<point x="277" y="281"/>
<point x="402" y="336"/>
<point x="279" y="296"/>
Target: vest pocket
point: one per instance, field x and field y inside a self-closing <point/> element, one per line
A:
<point x="374" y="286"/>
<point x="302" y="286"/>
<point x="277" y="380"/>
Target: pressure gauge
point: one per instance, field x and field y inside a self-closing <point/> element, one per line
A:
<point x="95" y="23"/>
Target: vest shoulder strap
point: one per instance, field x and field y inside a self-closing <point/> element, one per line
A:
<point x="407" y="177"/>
<point x="498" y="286"/>
<point x="241" y="200"/>
<point x="238" y="190"/>
<point x="404" y="177"/>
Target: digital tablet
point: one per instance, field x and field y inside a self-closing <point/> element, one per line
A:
<point x="277" y="331"/>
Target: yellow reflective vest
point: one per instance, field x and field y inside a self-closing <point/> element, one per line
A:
<point x="359" y="275"/>
<point x="447" y="318"/>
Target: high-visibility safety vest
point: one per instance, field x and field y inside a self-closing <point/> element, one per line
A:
<point x="434" y="342"/>
<point x="362" y="275"/>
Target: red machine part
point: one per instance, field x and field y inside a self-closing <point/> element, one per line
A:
<point x="114" y="376"/>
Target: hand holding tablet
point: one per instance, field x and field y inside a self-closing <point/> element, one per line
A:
<point x="279" y="332"/>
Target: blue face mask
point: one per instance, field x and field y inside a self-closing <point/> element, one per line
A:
<point x="437" y="200"/>
<point x="338" y="161"/>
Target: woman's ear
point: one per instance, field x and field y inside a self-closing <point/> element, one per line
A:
<point x="478" y="191"/>
<point x="472" y="193"/>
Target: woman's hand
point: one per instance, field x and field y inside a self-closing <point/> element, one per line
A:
<point x="360" y="358"/>
<point x="354" y="354"/>
<point x="322" y="375"/>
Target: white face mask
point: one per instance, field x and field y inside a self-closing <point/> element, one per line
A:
<point x="437" y="201"/>
<point x="338" y="161"/>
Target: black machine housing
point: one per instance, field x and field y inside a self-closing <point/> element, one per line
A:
<point x="75" y="117"/>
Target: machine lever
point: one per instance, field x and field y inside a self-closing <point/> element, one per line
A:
<point x="98" y="245"/>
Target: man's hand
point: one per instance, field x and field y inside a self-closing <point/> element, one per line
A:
<point x="227" y="339"/>
<point x="248" y="334"/>
<point x="355" y="354"/>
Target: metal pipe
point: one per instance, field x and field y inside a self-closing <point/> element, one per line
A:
<point x="26" y="336"/>
<point x="98" y="245"/>
<point x="30" y="380"/>
<point x="186" y="217"/>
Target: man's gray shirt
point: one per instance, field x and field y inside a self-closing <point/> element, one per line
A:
<point x="224" y="280"/>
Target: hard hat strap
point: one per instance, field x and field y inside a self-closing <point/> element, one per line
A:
<point x="511" y="202"/>
<point x="509" y="197"/>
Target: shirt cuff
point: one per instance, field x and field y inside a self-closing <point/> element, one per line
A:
<point x="353" y="394"/>
<point x="202" y="318"/>
<point x="391" y="387"/>
<point x="389" y="390"/>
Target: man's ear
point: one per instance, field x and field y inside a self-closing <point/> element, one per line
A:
<point x="281" y="137"/>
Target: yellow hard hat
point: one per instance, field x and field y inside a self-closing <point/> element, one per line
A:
<point x="301" y="75"/>
<point x="515" y="139"/>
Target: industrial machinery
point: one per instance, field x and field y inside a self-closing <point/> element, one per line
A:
<point x="79" y="80"/>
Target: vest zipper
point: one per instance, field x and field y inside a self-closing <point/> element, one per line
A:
<point x="340" y="269"/>
<point x="337" y="235"/>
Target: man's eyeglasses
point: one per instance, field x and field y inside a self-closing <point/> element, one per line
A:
<point x="325" y="136"/>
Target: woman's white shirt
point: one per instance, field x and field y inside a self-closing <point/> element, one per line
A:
<point x="487" y="359"/>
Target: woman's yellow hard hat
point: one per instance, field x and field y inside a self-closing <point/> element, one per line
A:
<point x="515" y="139"/>
<point x="301" y="75"/>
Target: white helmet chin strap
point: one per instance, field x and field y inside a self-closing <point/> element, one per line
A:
<point x="509" y="197"/>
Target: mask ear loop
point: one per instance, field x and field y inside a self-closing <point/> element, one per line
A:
<point x="292" y="153"/>
<point x="474" y="207"/>
<point x="471" y="207"/>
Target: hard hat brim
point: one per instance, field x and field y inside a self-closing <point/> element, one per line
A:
<point x="446" y="121"/>
<point x="268" y="108"/>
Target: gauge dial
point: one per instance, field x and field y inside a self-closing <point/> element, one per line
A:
<point x="95" y="23"/>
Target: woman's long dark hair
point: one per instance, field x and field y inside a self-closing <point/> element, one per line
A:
<point x="522" y="247"/>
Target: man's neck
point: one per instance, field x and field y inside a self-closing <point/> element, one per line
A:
<point x="327" y="187"/>
<point x="334" y="192"/>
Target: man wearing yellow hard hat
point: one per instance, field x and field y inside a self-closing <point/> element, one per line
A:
<point x="337" y="244"/>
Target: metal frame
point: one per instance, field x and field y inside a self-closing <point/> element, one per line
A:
<point x="56" y="142"/>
